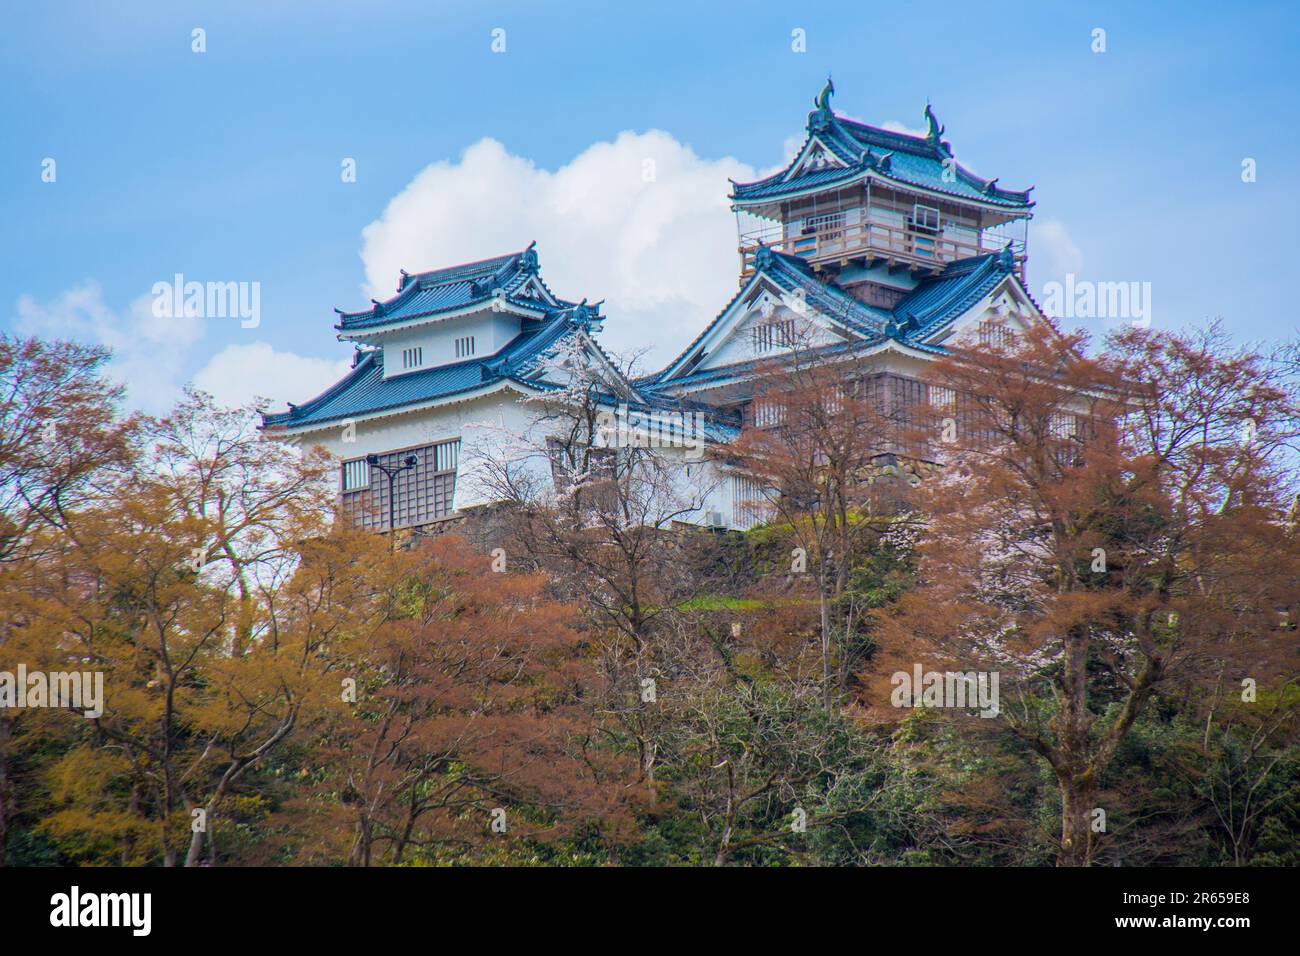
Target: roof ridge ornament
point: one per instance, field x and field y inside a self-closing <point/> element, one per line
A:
<point x="764" y="257"/>
<point x="822" y="117"/>
<point x="933" y="128"/>
<point x="823" y="99"/>
<point x="1007" y="257"/>
<point x="578" y="314"/>
<point x="528" y="259"/>
<point x="898" y="327"/>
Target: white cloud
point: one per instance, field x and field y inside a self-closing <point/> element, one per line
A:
<point x="238" y="374"/>
<point x="149" y="353"/>
<point x="1054" y="251"/>
<point x="789" y="150"/>
<point x="642" y="222"/>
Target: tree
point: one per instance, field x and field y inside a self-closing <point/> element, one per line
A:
<point x="202" y="584"/>
<point x="470" y="699"/>
<point x="1103" y="524"/>
<point x="59" y="437"/>
<point x="825" y="451"/>
<point x="604" y="524"/>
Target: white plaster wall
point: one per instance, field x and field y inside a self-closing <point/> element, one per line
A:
<point x="738" y="346"/>
<point x="492" y="331"/>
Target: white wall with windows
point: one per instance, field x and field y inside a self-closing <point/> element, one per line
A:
<point x="448" y="341"/>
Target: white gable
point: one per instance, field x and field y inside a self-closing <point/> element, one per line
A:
<point x="814" y="157"/>
<point x="533" y="289"/>
<point x="1007" y="304"/>
<point x="766" y="324"/>
<point x="576" y="357"/>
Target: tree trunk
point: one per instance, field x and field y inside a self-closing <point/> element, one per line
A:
<point x="1075" y="774"/>
<point x="360" y="855"/>
<point x="1077" y="799"/>
<point x="826" y="647"/>
<point x="195" y="852"/>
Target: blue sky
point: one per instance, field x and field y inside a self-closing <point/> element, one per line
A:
<point x="225" y="165"/>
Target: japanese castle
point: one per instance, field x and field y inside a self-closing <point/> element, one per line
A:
<point x="878" y="242"/>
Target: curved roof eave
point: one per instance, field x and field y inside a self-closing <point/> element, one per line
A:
<point x="509" y="382"/>
<point x="510" y="304"/>
<point x="854" y="176"/>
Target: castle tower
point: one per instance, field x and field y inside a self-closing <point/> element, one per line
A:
<point x="878" y="210"/>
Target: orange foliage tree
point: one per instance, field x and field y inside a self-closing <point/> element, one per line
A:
<point x="1104" y="526"/>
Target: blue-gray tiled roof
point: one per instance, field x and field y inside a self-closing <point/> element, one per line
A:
<point x="924" y="161"/>
<point x="918" y="316"/>
<point x="427" y="294"/>
<point x="365" y="390"/>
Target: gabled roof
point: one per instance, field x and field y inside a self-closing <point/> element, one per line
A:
<point x="936" y="301"/>
<point x="426" y="295"/>
<point x="913" y="322"/>
<point x="790" y="273"/>
<point x="365" y="390"/>
<point x="861" y="151"/>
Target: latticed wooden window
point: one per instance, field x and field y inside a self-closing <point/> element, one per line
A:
<point x="421" y="494"/>
<point x="1063" y="425"/>
<point x="750" y="503"/>
<point x="943" y="397"/>
<point x="770" y="335"/>
<point x="833" y="402"/>
<point x="900" y="399"/>
<point x="356" y="474"/>
<point x="767" y="412"/>
<point x="996" y="335"/>
<point x="828" y="225"/>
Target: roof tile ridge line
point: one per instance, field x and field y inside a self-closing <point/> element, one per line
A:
<point x="849" y="121"/>
<point x="852" y="311"/>
<point x="787" y="174"/>
<point x="478" y="300"/>
<point x="999" y="195"/>
<point x="312" y="404"/>
<point x="988" y="186"/>
<point x="414" y="404"/>
<point x="967" y="297"/>
<point x="528" y="361"/>
<point x="421" y="315"/>
<point x="846" y="172"/>
<point x="505" y="257"/>
<point x="412" y="283"/>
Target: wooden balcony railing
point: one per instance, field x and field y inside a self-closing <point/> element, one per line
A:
<point x="906" y="245"/>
